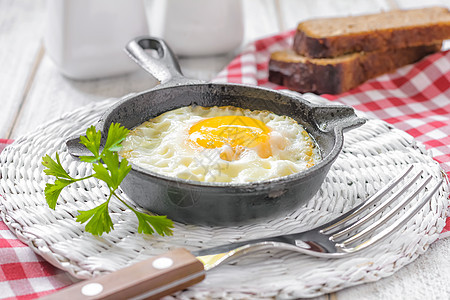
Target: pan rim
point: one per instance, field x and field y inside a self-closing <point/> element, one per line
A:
<point x="311" y="172"/>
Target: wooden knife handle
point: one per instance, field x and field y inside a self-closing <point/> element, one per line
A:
<point x="150" y="279"/>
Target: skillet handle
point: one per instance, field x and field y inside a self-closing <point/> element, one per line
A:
<point x="331" y="117"/>
<point x="163" y="66"/>
<point x="76" y="149"/>
<point x="149" y="279"/>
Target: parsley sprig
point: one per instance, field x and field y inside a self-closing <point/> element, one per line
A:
<point x="106" y="166"/>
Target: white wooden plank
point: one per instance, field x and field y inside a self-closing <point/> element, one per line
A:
<point x="53" y="94"/>
<point x="410" y="4"/>
<point x="21" y="24"/>
<point x="261" y="19"/>
<point x="425" y="278"/>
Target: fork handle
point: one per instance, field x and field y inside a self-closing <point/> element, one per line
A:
<point x="149" y="279"/>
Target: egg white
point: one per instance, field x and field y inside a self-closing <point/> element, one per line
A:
<point x="160" y="145"/>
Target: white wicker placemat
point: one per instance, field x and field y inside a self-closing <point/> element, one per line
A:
<point x="372" y="154"/>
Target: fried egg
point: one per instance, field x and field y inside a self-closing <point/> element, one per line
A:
<point x="221" y="144"/>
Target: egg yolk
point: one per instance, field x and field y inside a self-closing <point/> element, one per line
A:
<point x="238" y="132"/>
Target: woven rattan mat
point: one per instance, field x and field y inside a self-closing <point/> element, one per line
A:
<point x="372" y="154"/>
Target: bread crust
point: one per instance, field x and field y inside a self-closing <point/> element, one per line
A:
<point x="319" y="44"/>
<point x="335" y="76"/>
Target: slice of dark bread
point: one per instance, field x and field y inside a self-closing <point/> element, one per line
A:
<point x="339" y="74"/>
<point x="331" y="37"/>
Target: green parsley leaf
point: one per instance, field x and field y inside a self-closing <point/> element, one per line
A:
<point x="102" y="173"/>
<point x="54" y="168"/>
<point x="123" y="170"/>
<point x="161" y="224"/>
<point x="100" y="221"/>
<point x="116" y="134"/>
<point x="108" y="167"/>
<point x="115" y="170"/>
<point x="92" y="142"/>
<point x="53" y="190"/>
<point x="89" y="159"/>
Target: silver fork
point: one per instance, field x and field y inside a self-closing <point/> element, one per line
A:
<point x="178" y="269"/>
<point x="337" y="238"/>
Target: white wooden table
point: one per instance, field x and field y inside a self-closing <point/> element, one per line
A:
<point x="33" y="92"/>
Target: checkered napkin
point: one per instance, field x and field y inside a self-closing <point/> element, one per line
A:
<point x="415" y="99"/>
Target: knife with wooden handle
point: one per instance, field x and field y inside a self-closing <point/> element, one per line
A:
<point x="150" y="279"/>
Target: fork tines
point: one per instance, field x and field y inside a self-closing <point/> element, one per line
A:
<point x="341" y="236"/>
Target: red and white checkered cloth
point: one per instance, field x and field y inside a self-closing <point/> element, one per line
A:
<point x="415" y="99"/>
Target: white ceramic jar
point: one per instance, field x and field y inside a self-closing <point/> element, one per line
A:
<point x="86" y="38"/>
<point x="198" y="27"/>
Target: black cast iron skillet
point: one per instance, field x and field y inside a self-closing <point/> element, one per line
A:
<point x="208" y="203"/>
